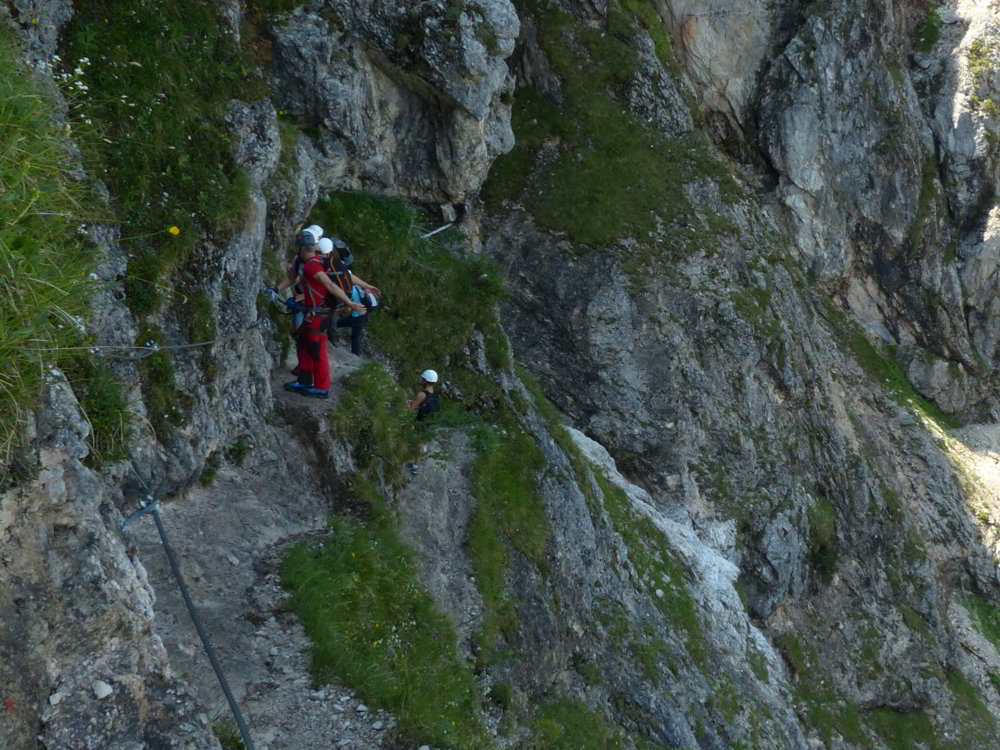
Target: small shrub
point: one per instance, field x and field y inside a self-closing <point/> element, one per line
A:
<point x="588" y="670"/>
<point x="566" y="724"/>
<point x="105" y="406"/>
<point x="211" y="469"/>
<point x="228" y="734"/>
<point x="165" y="404"/>
<point x="238" y="451"/>
<point x="823" y="551"/>
<point x="929" y="31"/>
<point x="758" y="664"/>
<point x="501" y="694"/>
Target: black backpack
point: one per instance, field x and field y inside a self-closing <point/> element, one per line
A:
<point x="430" y="405"/>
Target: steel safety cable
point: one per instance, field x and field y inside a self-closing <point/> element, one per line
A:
<point x="152" y="507"/>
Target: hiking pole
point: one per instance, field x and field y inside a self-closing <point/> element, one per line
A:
<point x="152" y="507"/>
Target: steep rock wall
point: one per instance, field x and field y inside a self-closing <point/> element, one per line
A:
<point x="716" y="377"/>
<point x="873" y="120"/>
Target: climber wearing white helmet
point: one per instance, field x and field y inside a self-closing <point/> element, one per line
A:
<point x="304" y="237"/>
<point x="425" y="402"/>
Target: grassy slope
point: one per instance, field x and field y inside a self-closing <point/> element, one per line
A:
<point x="44" y="265"/>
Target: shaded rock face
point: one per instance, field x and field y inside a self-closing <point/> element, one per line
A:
<point x="881" y="146"/>
<point x="410" y="101"/>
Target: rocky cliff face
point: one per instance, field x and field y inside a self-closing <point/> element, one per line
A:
<point x="763" y="530"/>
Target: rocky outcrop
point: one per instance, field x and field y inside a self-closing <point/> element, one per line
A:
<point x="880" y="180"/>
<point x="82" y="665"/>
<point x="728" y="386"/>
<point x="412" y="101"/>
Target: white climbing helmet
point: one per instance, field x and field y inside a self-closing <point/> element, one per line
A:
<point x="429" y="375"/>
<point x="325" y="245"/>
<point x="316" y="230"/>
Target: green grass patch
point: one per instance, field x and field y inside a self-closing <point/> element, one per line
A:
<point x="975" y="722"/>
<point x="589" y="168"/>
<point x="758" y="665"/>
<point x="588" y="670"/>
<point x="436" y="297"/>
<point x="201" y="323"/>
<point x="881" y="366"/>
<point x="509" y="516"/>
<point x="372" y="417"/>
<point x="44" y="266"/>
<point x="649" y="655"/>
<point x="914" y="621"/>
<point x="661" y="574"/>
<point x="904" y="730"/>
<point x="238" y="451"/>
<point x="823" y="550"/>
<point x="928" y="191"/>
<point x="928" y="32"/>
<point x="823" y="708"/>
<point x="228" y="734"/>
<point x="971" y="723"/>
<point x="211" y="469"/>
<point x="373" y="625"/>
<point x="984" y="61"/>
<point x="105" y="406"/>
<point x="986" y="616"/>
<point x="566" y="724"/>
<point x="557" y="430"/>
<point x="158" y="79"/>
<point x="166" y="406"/>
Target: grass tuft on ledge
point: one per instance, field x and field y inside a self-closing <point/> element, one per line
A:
<point x="45" y="284"/>
<point x="373" y="625"/>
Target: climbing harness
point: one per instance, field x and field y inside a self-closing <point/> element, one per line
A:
<point x="149" y="505"/>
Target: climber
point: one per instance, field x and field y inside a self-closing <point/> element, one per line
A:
<point x="358" y="289"/>
<point x="426" y="401"/>
<point x="295" y="267"/>
<point x="314" y="367"/>
<point x="293" y="278"/>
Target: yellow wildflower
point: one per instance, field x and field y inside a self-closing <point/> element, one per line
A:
<point x="174" y="231"/>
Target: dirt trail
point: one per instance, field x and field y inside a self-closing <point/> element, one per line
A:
<point x="229" y="538"/>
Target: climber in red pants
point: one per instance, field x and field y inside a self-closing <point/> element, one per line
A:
<point x="314" y="367"/>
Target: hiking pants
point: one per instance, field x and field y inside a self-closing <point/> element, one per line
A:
<point x="357" y="326"/>
<point x="314" y="366"/>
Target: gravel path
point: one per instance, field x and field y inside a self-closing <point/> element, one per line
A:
<point x="229" y="538"/>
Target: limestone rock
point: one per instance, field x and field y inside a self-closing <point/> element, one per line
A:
<point x="410" y="99"/>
